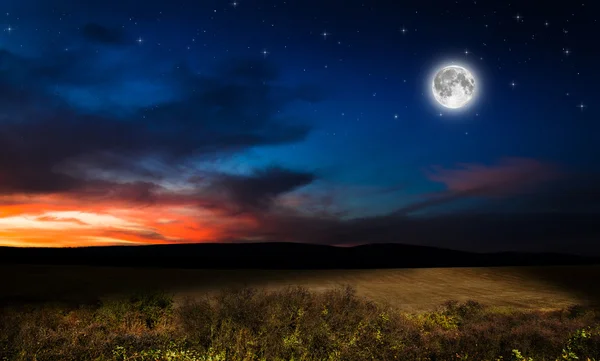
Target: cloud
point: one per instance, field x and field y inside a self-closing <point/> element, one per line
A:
<point x="258" y="190"/>
<point x="473" y="230"/>
<point x="33" y="81"/>
<point x="230" y="207"/>
<point x="58" y="158"/>
<point x="57" y="219"/>
<point x="518" y="185"/>
<point x="510" y="178"/>
<point x="525" y="205"/>
<point x="101" y="34"/>
<point x="47" y="146"/>
<point x="141" y="235"/>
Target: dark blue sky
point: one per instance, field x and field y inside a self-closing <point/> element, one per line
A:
<point x="273" y="118"/>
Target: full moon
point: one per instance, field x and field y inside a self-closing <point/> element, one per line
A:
<point x="453" y="86"/>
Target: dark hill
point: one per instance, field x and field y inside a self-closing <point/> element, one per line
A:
<point x="273" y="255"/>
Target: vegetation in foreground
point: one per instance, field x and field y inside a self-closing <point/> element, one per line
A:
<point x="291" y="324"/>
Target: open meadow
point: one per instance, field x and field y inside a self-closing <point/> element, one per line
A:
<point x="72" y="313"/>
<point x="407" y="289"/>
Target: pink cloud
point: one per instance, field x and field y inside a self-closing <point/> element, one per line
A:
<point x="510" y="176"/>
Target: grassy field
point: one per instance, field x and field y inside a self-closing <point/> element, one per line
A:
<point x="406" y="289"/>
<point x="291" y="324"/>
<point x="125" y="314"/>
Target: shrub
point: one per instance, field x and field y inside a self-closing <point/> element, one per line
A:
<point x="291" y="324"/>
<point x="584" y="342"/>
<point x="154" y="307"/>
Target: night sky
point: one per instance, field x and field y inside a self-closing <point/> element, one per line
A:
<point x="128" y="122"/>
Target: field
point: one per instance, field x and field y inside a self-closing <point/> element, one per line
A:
<point x="52" y="313"/>
<point x="405" y="289"/>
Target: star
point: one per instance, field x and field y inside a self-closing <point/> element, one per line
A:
<point x="9" y="29"/>
<point x="403" y="30"/>
<point x="567" y="52"/>
<point x="395" y="116"/>
<point x="325" y="34"/>
<point x="140" y="40"/>
<point x="466" y="52"/>
<point x="234" y="4"/>
<point x="513" y="84"/>
<point x="519" y="18"/>
<point x="265" y="53"/>
<point x="546" y="24"/>
<point x="581" y="106"/>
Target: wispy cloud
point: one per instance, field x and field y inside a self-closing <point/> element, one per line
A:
<point x="509" y="177"/>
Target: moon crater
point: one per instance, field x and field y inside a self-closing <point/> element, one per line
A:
<point x="453" y="86"/>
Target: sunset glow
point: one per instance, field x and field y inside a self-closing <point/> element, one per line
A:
<point x="60" y="224"/>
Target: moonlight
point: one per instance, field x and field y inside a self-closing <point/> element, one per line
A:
<point x="453" y="86"/>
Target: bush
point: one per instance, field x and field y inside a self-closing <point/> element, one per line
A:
<point x="583" y="342"/>
<point x="291" y="324"/>
<point x="154" y="308"/>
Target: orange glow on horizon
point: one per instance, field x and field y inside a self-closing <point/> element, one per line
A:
<point x="60" y="221"/>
